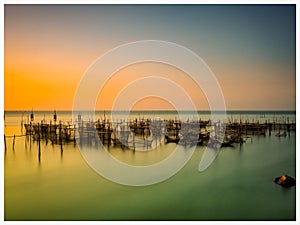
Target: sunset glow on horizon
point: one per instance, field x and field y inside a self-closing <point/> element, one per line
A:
<point x="249" y="48"/>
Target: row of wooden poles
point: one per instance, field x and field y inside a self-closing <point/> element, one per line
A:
<point x="105" y="128"/>
<point x="26" y="135"/>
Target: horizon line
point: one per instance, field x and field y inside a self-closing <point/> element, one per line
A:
<point x="149" y="110"/>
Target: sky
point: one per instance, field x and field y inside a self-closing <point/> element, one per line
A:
<point x="249" y="48"/>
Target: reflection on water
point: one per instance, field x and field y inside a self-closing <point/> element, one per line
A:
<point x="61" y="186"/>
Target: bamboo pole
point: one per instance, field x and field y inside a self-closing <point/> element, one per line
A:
<point x="5" y="143"/>
<point x="14" y="142"/>
<point x="39" y="142"/>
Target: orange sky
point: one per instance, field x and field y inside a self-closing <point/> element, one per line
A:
<point x="47" y="49"/>
<point x="137" y="71"/>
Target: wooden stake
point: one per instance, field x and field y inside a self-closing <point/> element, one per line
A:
<point x="5" y="143"/>
<point x="14" y="142"/>
<point x="39" y="154"/>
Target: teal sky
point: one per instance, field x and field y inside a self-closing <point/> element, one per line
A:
<point x="250" y="48"/>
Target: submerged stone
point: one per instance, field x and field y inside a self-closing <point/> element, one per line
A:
<point x="285" y="181"/>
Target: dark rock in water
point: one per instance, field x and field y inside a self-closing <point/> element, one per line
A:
<point x="285" y="181"/>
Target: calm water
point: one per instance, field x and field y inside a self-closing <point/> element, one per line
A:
<point x="237" y="186"/>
